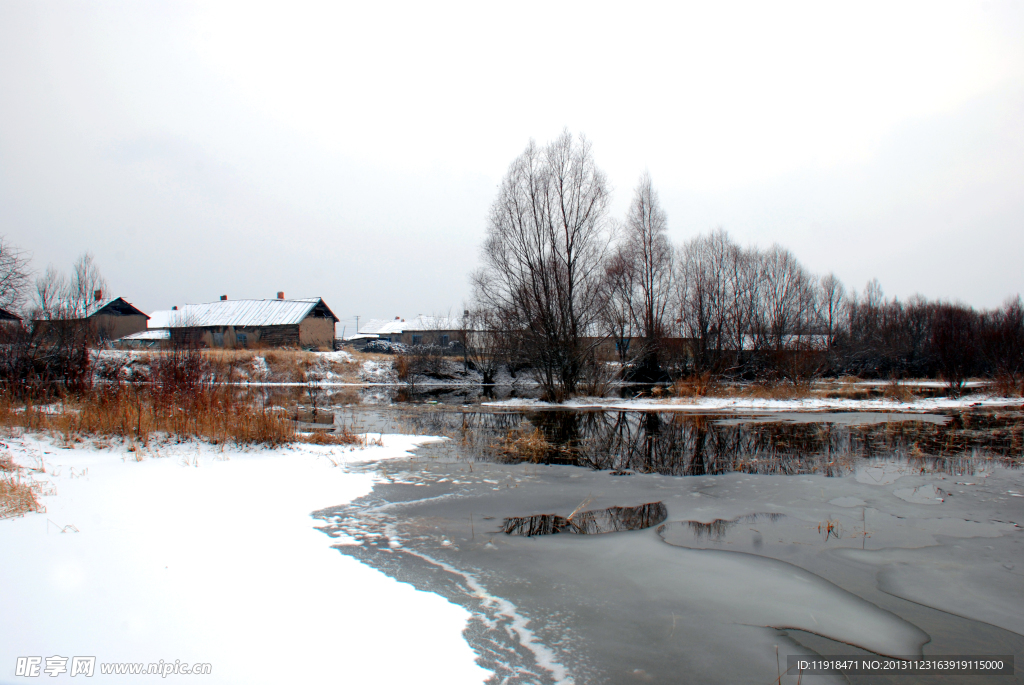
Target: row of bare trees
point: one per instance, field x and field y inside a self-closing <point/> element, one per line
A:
<point x="48" y="349"/>
<point x="561" y="281"/>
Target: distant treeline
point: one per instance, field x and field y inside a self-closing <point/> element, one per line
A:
<point x="562" y="283"/>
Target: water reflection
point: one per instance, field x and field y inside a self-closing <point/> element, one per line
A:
<point x="594" y="522"/>
<point x="716" y="530"/>
<point x="679" y="444"/>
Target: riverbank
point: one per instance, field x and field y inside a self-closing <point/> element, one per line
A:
<point x="207" y="554"/>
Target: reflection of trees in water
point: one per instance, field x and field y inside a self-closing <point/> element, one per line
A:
<point x="680" y="444"/>
<point x="695" y="445"/>
<point x="716" y="530"/>
<point x="689" y="444"/>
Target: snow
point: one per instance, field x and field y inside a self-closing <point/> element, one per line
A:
<point x="235" y="313"/>
<point x="754" y="404"/>
<point x="338" y="357"/>
<point x="207" y="555"/>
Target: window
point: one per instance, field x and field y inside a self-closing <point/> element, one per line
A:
<point x="444" y="339"/>
<point x="242" y="339"/>
<point x="416" y="339"/>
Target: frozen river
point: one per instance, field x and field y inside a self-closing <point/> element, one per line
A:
<point x="849" y="533"/>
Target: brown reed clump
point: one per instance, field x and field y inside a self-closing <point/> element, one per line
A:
<point x="1007" y="386"/>
<point x="523" y="445"/>
<point x="897" y="392"/>
<point x="324" y="438"/>
<point x="135" y="413"/>
<point x="777" y="391"/>
<point x="403" y="367"/>
<point x="17" y="496"/>
<point x="696" y="385"/>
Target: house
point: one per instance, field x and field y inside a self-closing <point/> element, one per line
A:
<point x="306" y="323"/>
<point x="115" y="318"/>
<point x="103" y="319"/>
<point x="423" y="330"/>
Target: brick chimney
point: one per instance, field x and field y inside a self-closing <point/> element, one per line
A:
<point x="98" y="295"/>
<point x="223" y="297"/>
<point x="280" y="294"/>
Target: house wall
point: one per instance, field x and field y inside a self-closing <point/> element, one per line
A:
<point x="230" y="337"/>
<point x="316" y="332"/>
<point x="112" y="327"/>
<point x="427" y="337"/>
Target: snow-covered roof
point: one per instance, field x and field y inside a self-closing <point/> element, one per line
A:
<point x="420" y="323"/>
<point x="149" y="334"/>
<point x="240" y="313"/>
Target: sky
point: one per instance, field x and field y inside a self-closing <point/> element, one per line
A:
<point x="352" y="150"/>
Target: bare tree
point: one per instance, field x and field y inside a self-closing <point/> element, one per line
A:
<point x="62" y="297"/>
<point x="1002" y="343"/>
<point x="485" y="342"/>
<point x="832" y="307"/>
<point x="745" y="278"/>
<point x="546" y="241"/>
<point x="14" y="275"/>
<point x="702" y="297"/>
<point x="954" y="344"/>
<point x="618" y="300"/>
<point x="787" y="296"/>
<point x="648" y="253"/>
<point x="86" y="285"/>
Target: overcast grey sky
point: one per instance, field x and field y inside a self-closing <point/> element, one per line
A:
<point x="351" y="151"/>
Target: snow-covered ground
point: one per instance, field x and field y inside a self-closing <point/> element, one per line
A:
<point x="755" y="404"/>
<point x="204" y="555"/>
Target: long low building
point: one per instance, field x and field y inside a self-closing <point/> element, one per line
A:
<point x="306" y="323"/>
<point x="423" y="330"/>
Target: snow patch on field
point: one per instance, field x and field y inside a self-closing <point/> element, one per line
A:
<point x="210" y="555"/>
<point x="338" y="357"/>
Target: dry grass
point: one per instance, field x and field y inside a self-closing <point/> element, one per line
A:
<point x="1005" y="386"/>
<point x="898" y="392"/>
<point x="17" y="495"/>
<point x="402" y="367"/>
<point x="523" y="445"/>
<point x="842" y="390"/>
<point x="284" y="365"/>
<point x="325" y="438"/>
<point x="134" y="413"/>
<point x="777" y="391"/>
<point x="697" y="385"/>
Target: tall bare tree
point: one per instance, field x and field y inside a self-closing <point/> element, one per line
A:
<point x="702" y="297"/>
<point x="546" y="241"/>
<point x="832" y="306"/>
<point x="649" y="255"/>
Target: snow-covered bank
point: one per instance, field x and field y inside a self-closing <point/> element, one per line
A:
<point x="726" y="404"/>
<point x="208" y="556"/>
